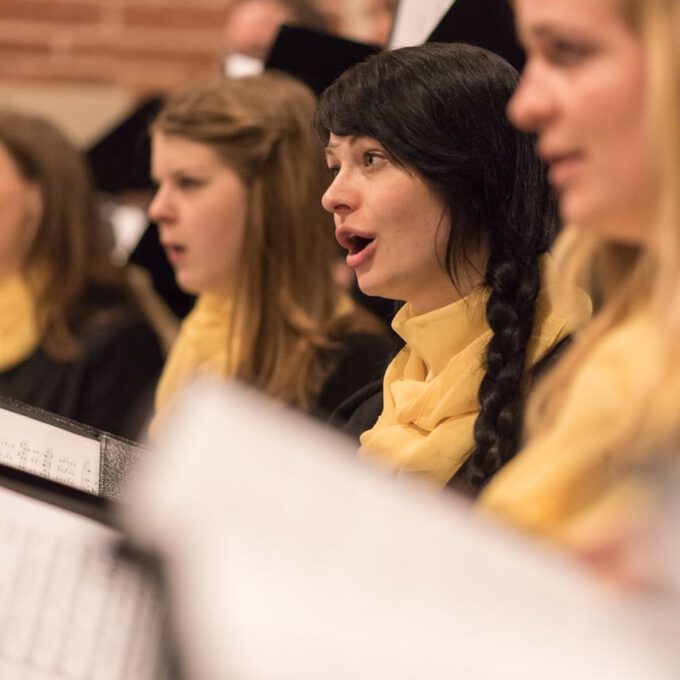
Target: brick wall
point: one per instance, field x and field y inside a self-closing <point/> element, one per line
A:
<point x="141" y="45"/>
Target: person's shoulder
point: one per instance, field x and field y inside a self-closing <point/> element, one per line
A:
<point x="123" y="327"/>
<point x="366" y="350"/>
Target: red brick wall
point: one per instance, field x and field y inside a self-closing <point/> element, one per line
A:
<point x="141" y="45"/>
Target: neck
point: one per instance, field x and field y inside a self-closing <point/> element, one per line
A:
<point x="447" y="294"/>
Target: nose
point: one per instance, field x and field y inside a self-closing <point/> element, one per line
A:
<point x="532" y="105"/>
<point x="160" y="208"/>
<point x="341" y="197"/>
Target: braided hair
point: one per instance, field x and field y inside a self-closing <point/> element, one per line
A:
<point x="439" y="109"/>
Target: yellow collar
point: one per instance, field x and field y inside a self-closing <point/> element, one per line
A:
<point x="201" y="348"/>
<point x="430" y="388"/>
<point x="19" y="331"/>
<point x="438" y="335"/>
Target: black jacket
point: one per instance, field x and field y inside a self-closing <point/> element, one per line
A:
<point x="110" y="387"/>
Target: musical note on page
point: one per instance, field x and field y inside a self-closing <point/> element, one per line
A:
<point x="71" y="606"/>
<point x="49" y="451"/>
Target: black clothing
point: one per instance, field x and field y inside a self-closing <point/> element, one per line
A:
<point x="360" y="411"/>
<point x="110" y="387"/>
<point x="361" y="360"/>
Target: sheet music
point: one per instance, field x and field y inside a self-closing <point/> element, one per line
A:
<point x="415" y="21"/>
<point x="49" y="451"/>
<point x="291" y="560"/>
<point x="69" y="608"/>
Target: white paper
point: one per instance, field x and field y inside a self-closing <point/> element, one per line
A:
<point x="49" y="451"/>
<point x="416" y="19"/>
<point x="69" y="608"/>
<point x="289" y="559"/>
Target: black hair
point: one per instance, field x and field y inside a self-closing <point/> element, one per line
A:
<point x="439" y="110"/>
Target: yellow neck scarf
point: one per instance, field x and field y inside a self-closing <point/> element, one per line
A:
<point x="19" y="331"/>
<point x="430" y="388"/>
<point x="201" y="348"/>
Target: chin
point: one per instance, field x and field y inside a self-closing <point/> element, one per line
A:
<point x="574" y="212"/>
<point x="188" y="286"/>
<point x="373" y="289"/>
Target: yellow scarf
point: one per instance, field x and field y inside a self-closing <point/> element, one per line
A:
<point x="19" y="331"/>
<point x="200" y="349"/>
<point x="430" y="388"/>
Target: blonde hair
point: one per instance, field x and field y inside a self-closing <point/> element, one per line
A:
<point x="286" y="305"/>
<point x="634" y="279"/>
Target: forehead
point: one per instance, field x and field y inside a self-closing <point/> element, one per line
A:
<point x="177" y="150"/>
<point x="532" y="15"/>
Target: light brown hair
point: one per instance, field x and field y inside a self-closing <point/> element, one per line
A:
<point x="287" y="306"/>
<point x="67" y="265"/>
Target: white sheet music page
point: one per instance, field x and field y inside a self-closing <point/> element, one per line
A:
<point x="290" y="559"/>
<point x="49" y="451"/>
<point x="70" y="607"/>
<point x="415" y="21"/>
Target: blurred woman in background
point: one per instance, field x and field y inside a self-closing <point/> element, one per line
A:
<point x="240" y="176"/>
<point x="601" y="89"/>
<point x="73" y="339"/>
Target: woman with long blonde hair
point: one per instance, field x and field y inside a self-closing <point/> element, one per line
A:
<point x="240" y="177"/>
<point x="601" y="89"/>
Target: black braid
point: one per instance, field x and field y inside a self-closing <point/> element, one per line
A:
<point x="510" y="311"/>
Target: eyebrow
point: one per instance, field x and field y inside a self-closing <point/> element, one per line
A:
<point x="333" y="145"/>
<point x="544" y="30"/>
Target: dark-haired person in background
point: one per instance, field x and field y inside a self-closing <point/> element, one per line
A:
<point x="442" y="204"/>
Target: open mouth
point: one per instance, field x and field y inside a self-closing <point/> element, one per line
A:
<point x="357" y="243"/>
<point x="174" y="252"/>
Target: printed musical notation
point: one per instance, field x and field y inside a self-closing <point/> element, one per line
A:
<point x="49" y="451"/>
<point x="71" y="608"/>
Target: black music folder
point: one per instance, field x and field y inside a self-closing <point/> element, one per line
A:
<point x="485" y="23"/>
<point x="315" y="58"/>
<point x="59" y="449"/>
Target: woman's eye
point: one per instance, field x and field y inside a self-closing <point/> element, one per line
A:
<point x="333" y="170"/>
<point x="371" y="158"/>
<point x="566" y="53"/>
<point x="189" y="182"/>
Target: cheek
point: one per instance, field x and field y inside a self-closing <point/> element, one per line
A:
<point x="225" y="239"/>
<point x="17" y="226"/>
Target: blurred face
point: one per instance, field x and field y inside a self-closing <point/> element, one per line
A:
<point x="377" y="17"/>
<point x="20" y="214"/>
<point x="583" y="92"/>
<point x="251" y="28"/>
<point x="392" y="225"/>
<point x="200" y="207"/>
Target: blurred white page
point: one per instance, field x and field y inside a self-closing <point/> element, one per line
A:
<point x="290" y="559"/>
<point x="69" y="607"/>
<point x="416" y="19"/>
<point x="49" y="451"/>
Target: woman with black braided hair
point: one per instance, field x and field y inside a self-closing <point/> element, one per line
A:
<point x="442" y="204"/>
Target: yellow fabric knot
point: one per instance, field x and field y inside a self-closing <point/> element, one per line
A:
<point x="430" y="388"/>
